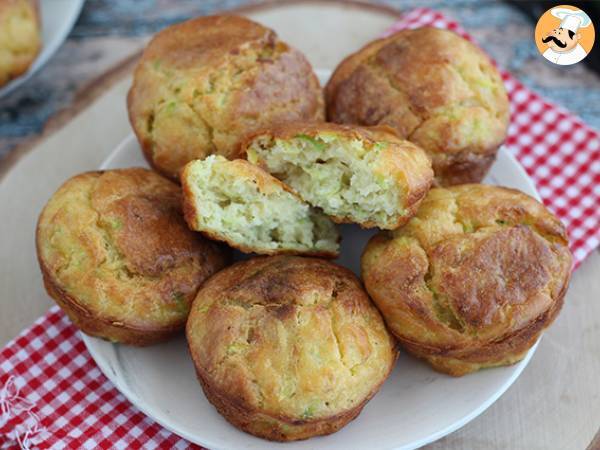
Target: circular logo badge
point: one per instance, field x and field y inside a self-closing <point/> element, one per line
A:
<point x="564" y="35"/>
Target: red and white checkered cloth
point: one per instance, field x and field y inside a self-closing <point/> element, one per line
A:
<point x="52" y="394"/>
<point x="560" y="153"/>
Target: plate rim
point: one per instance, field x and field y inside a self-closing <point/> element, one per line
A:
<point x="140" y="404"/>
<point x="111" y="374"/>
<point x="112" y="75"/>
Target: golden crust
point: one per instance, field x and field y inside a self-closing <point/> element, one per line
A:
<point x="401" y="160"/>
<point x="287" y="347"/>
<point x="116" y="255"/>
<point x="436" y="89"/>
<point x="201" y="85"/>
<point x="265" y="183"/>
<point x="290" y="130"/>
<point x="20" y="37"/>
<point x="473" y="279"/>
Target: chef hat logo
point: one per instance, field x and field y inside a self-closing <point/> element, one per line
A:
<point x="564" y="35"/>
<point x="571" y="19"/>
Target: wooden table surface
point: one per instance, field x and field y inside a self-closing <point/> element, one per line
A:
<point x="108" y="31"/>
<point x="555" y="404"/>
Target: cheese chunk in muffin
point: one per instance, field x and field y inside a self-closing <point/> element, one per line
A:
<point x="239" y="203"/>
<point x="362" y="175"/>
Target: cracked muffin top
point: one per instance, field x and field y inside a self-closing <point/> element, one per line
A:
<point x="476" y="265"/>
<point x="113" y="247"/>
<point x="435" y="89"/>
<point x="20" y="37"/>
<point x="283" y="345"/>
<point x="202" y="85"/>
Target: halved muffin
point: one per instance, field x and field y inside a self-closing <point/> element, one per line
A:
<point x="287" y="348"/>
<point x="239" y="203"/>
<point x="118" y="258"/>
<point x="473" y="279"/>
<point x="354" y="174"/>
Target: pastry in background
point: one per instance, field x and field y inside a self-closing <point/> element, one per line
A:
<point x="241" y="204"/>
<point x="473" y="279"/>
<point x="20" y="37"/>
<point x="203" y="84"/>
<point x="354" y="174"/>
<point x="118" y="258"/>
<point x="435" y="89"/>
<point x="287" y="347"/>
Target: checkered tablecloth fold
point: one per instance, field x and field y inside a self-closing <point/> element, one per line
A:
<point x="53" y="395"/>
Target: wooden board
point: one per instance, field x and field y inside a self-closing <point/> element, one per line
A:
<point x="554" y="404"/>
<point x="81" y="137"/>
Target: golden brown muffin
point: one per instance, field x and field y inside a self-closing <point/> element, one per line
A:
<point x="436" y="89"/>
<point x="473" y="279"/>
<point x="287" y="347"/>
<point x="241" y="204"/>
<point x="354" y="174"/>
<point x="20" y="37"/>
<point x="117" y="257"/>
<point x="201" y="85"/>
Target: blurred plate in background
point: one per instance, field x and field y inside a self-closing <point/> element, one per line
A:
<point x="58" y="18"/>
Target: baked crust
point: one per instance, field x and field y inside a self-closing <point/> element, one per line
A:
<point x="20" y="37"/>
<point x="266" y="184"/>
<point x="402" y="160"/>
<point x="473" y="279"/>
<point x="288" y="347"/>
<point x="118" y="258"/>
<point x="203" y="84"/>
<point x="435" y="89"/>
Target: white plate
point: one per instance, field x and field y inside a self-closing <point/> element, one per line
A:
<point x="414" y="407"/>
<point x="57" y="19"/>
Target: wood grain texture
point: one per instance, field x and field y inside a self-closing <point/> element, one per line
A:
<point x="595" y="444"/>
<point x="107" y="32"/>
<point x="85" y="95"/>
<point x="83" y="135"/>
<point x="80" y="145"/>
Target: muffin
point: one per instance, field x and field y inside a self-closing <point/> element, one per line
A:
<point x="20" y="37"/>
<point x="473" y="279"/>
<point x="201" y="85"/>
<point x="361" y="175"/>
<point x="435" y="89"/>
<point x="239" y="203"/>
<point x="287" y="347"/>
<point x="117" y="257"/>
